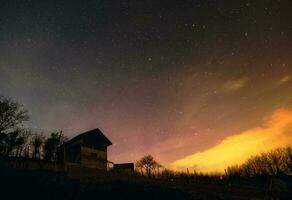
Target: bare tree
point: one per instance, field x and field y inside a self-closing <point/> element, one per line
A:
<point x="12" y="115"/>
<point x="37" y="143"/>
<point x="23" y="142"/>
<point x="139" y="167"/>
<point x="275" y="162"/>
<point x="51" y="145"/>
<point x="24" y="149"/>
<point x="158" y="166"/>
<point x="13" y="142"/>
<point x="147" y="164"/>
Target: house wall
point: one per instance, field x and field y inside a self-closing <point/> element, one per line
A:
<point x="124" y="167"/>
<point x="93" y="158"/>
<point x="72" y="153"/>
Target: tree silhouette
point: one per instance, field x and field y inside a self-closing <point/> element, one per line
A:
<point x="275" y="162"/>
<point x="24" y="149"/>
<point x="37" y="144"/>
<point x="147" y="164"/>
<point x="14" y="140"/>
<point x="12" y="115"/>
<point x="51" y="145"/>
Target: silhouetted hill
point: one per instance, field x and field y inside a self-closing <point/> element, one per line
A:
<point x="20" y="184"/>
<point x="41" y="184"/>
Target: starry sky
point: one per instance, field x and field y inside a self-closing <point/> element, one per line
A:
<point x="173" y="78"/>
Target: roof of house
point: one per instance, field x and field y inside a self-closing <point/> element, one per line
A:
<point x="99" y="137"/>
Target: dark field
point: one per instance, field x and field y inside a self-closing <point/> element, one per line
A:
<point x="20" y="184"/>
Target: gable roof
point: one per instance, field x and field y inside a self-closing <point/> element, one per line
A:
<point x="99" y="137"/>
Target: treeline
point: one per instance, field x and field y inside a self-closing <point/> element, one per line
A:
<point x="17" y="141"/>
<point x="270" y="171"/>
<point x="275" y="162"/>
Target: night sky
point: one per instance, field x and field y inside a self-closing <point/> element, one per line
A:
<point x="169" y="78"/>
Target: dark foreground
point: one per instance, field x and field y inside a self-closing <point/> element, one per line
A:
<point x="40" y="184"/>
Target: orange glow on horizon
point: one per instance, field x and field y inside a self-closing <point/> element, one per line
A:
<point x="275" y="132"/>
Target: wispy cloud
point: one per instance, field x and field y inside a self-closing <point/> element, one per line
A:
<point x="275" y="132"/>
<point x="284" y="80"/>
<point x="235" y="85"/>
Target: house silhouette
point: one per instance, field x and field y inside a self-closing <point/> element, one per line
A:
<point x="88" y="149"/>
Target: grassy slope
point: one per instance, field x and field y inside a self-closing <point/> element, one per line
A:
<point x="51" y="185"/>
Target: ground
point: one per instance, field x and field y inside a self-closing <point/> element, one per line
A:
<point x="23" y="184"/>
